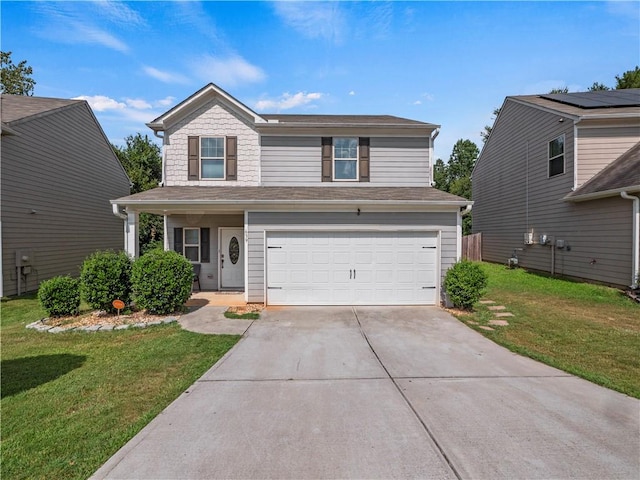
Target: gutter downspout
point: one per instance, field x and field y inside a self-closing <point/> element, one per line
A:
<point x="464" y="212"/>
<point x="635" y="257"/>
<point x="432" y="138"/>
<point x="163" y="155"/>
<point x="122" y="216"/>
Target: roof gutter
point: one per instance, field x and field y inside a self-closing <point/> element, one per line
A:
<point x="635" y="254"/>
<point x="603" y="194"/>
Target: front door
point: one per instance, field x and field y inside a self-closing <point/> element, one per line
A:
<point x="231" y="258"/>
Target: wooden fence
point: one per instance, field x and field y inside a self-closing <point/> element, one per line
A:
<point x="472" y="247"/>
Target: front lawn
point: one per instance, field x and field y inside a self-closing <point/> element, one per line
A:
<point x="71" y="400"/>
<point x="588" y="330"/>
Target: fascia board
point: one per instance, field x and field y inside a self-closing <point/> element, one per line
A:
<point x="603" y="194"/>
<point x="281" y="203"/>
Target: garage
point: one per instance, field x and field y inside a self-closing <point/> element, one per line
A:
<point x="351" y="268"/>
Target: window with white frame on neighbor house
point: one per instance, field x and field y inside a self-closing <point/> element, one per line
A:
<point x="191" y="244"/>
<point x="556" y="156"/>
<point x="345" y="158"/>
<point x="212" y="157"/>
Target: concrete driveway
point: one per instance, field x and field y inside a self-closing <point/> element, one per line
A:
<point x="378" y="392"/>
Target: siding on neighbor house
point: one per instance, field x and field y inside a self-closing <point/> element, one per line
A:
<point x="599" y="146"/>
<point x="259" y="222"/>
<point x="62" y="167"/>
<point x="402" y="161"/>
<point x="211" y="120"/>
<point x="209" y="271"/>
<point x="513" y="195"/>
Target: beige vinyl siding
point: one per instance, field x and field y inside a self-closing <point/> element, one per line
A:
<point x="209" y="271"/>
<point x="399" y="162"/>
<point x="513" y="195"/>
<point x="62" y="167"/>
<point x="259" y="222"/>
<point x="599" y="146"/>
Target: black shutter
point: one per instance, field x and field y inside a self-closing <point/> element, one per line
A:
<point x="232" y="158"/>
<point x="327" y="159"/>
<point x="177" y="240"/>
<point x="205" y="245"/>
<point x="194" y="158"/>
<point x="363" y="159"/>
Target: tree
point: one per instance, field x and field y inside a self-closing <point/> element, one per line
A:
<point x="455" y="176"/>
<point x="15" y="79"/>
<point x="598" y="86"/>
<point x="487" y="128"/>
<point x="629" y="79"/>
<point x="142" y="160"/>
<point x="559" y="90"/>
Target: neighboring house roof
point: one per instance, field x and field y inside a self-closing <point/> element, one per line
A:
<point x="16" y="108"/>
<point x="272" y="121"/>
<point x="265" y="195"/>
<point x="616" y="103"/>
<point x="623" y="174"/>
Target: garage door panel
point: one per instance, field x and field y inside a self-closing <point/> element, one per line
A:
<point x="351" y="268"/>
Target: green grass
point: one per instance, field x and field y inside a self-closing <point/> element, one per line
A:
<point x="589" y="330"/>
<point x="243" y="316"/>
<point x="71" y="400"/>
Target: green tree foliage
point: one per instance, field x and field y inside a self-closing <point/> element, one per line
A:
<point x="15" y="79"/>
<point x="629" y="79"/>
<point x="60" y="296"/>
<point x="465" y="283"/>
<point x="487" y="128"/>
<point x="455" y="176"/>
<point x="104" y="277"/>
<point x="598" y="86"/>
<point x="559" y="90"/>
<point x="142" y="160"/>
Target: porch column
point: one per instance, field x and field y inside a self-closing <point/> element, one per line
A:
<point x="165" y="234"/>
<point x="131" y="234"/>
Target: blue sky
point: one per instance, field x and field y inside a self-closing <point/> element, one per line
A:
<point x="449" y="63"/>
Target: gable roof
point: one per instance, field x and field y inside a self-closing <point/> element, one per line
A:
<point x="581" y="105"/>
<point x="272" y="121"/>
<point x="623" y="174"/>
<point x="16" y="108"/>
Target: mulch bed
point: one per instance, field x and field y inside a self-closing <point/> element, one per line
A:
<point x="100" y="317"/>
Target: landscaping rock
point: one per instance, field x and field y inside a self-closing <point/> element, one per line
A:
<point x="92" y="328"/>
<point x="140" y="325"/>
<point x="483" y="327"/>
<point x="486" y="302"/>
<point x="495" y="308"/>
<point x="499" y="323"/>
<point x="107" y="327"/>
<point x="121" y="327"/>
<point x="57" y="330"/>
<point x="504" y="314"/>
<point x="169" y="320"/>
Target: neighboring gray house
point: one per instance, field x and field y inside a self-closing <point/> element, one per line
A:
<point x="302" y="209"/>
<point x="558" y="182"/>
<point x="58" y="175"/>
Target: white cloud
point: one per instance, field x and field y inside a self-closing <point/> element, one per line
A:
<point x="313" y="19"/>
<point x="137" y="103"/>
<point x="101" y="103"/>
<point x="92" y="34"/>
<point x="119" y="12"/>
<point x="164" y="76"/>
<point x="417" y="102"/>
<point x="230" y="71"/>
<point x="352" y="93"/>
<point x="288" y="101"/>
<point x="164" y="102"/>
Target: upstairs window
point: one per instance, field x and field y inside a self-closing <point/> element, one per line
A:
<point x="345" y="159"/>
<point x="212" y="157"/>
<point x="556" y="156"/>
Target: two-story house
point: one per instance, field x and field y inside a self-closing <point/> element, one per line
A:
<point x="58" y="174"/>
<point x="302" y="209"/>
<point x="557" y="184"/>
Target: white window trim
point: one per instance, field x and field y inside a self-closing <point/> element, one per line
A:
<point x="333" y="160"/>
<point x="564" y="156"/>
<point x="185" y="245"/>
<point x="224" y="158"/>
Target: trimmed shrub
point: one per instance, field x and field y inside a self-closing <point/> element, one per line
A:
<point x="105" y="276"/>
<point x="60" y="296"/>
<point x="161" y="281"/>
<point x="465" y="283"/>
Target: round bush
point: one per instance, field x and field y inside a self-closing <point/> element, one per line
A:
<point x="60" y="296"/>
<point x="161" y="281"/>
<point x="465" y="283"/>
<point x="105" y="276"/>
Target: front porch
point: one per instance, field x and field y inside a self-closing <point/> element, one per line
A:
<point x="216" y="299"/>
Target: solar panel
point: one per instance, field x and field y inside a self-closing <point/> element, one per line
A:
<point x="629" y="97"/>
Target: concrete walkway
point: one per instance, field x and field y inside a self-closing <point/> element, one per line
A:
<point x="206" y="314"/>
<point x="383" y="393"/>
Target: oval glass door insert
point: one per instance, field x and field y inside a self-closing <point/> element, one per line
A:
<point x="234" y="250"/>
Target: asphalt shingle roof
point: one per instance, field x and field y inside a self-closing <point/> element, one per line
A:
<point x="330" y="194"/>
<point x="622" y="173"/>
<point x="583" y="112"/>
<point x="19" y="107"/>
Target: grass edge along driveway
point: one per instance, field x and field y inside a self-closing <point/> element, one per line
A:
<point x="71" y="400"/>
<point x="591" y="331"/>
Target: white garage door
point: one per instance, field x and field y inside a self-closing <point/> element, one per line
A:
<point x="351" y="268"/>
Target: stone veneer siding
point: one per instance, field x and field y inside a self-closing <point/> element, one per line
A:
<point x="214" y="120"/>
